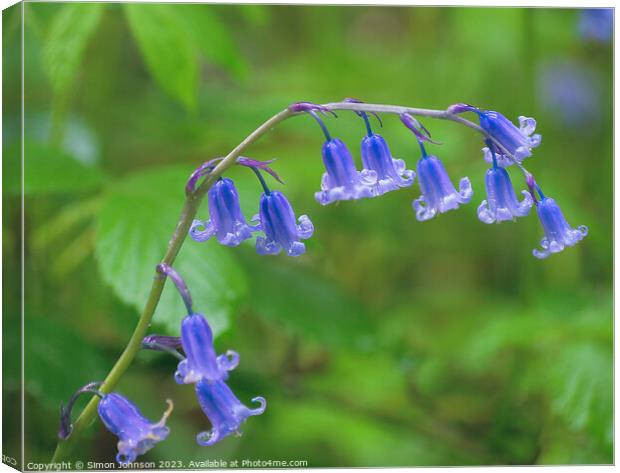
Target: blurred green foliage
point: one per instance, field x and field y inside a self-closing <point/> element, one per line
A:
<point x="390" y="342"/>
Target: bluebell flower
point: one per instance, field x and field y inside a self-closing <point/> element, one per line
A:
<point x="558" y="233"/>
<point x="438" y="192"/>
<point x="502" y="203"/>
<point x="224" y="410"/>
<point x="136" y="434"/>
<point x="282" y="232"/>
<point x="226" y="222"/>
<point x="342" y="180"/>
<point x="597" y="24"/>
<point x="517" y="141"/>
<point x="202" y="361"/>
<point x="391" y="173"/>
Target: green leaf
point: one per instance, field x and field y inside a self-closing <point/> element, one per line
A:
<point x="138" y="216"/>
<point x="69" y="33"/>
<point x="581" y="387"/>
<point x="167" y="49"/>
<point x="307" y="304"/>
<point x="48" y="170"/>
<point x="212" y="37"/>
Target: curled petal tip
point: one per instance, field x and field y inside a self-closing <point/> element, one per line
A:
<point x="229" y="361"/>
<point x="261" y="408"/>
<point x="207" y="438"/>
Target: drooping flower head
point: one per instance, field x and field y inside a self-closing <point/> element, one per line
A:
<point x="136" y="434"/>
<point x="501" y="203"/>
<point x="202" y="361"/>
<point x="341" y="180"/>
<point x="226" y="221"/>
<point x="391" y="173"/>
<point x="517" y="141"/>
<point x="282" y="231"/>
<point x="225" y="412"/>
<point x="438" y="192"/>
<point x="558" y="233"/>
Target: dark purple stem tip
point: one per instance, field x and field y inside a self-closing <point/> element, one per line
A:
<point x="158" y="342"/>
<point x="178" y="281"/>
<point x="461" y="108"/>
<point x="200" y="171"/>
<point x="309" y="106"/>
<point x="262" y="165"/>
<point x="65" y="409"/>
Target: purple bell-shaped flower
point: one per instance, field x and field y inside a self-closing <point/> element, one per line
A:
<point x="225" y="412"/>
<point x="282" y="231"/>
<point x="136" y="434"/>
<point x="391" y="173"/>
<point x="517" y="141"/>
<point x="342" y="180"/>
<point x="202" y="361"/>
<point x="438" y="192"/>
<point x="501" y="203"/>
<point x="226" y="221"/>
<point x="558" y="233"/>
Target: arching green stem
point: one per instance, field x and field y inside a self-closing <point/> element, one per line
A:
<point x="188" y="212"/>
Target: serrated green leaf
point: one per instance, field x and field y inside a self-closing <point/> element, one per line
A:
<point x="307" y="304"/>
<point x="212" y="37"/>
<point x="167" y="49"/>
<point x="68" y="37"/>
<point x="48" y="170"/>
<point x="137" y="218"/>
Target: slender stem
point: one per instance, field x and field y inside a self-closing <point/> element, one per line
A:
<point x="367" y="122"/>
<point x="321" y="124"/>
<point x="397" y="109"/>
<point x="262" y="181"/>
<point x="190" y="208"/>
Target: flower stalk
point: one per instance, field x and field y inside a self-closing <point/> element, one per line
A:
<point x="194" y="197"/>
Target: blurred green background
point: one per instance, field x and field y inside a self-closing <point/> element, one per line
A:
<point x="390" y="342"/>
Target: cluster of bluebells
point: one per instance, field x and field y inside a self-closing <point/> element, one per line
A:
<point x="506" y="146"/>
<point x="278" y="229"/>
<point x="200" y="366"/>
